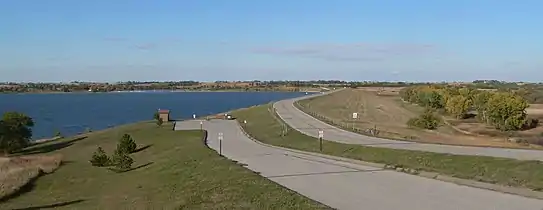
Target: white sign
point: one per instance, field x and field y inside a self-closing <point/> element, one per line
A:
<point x="201" y="122"/>
<point x="220" y="136"/>
<point x="321" y="134"/>
<point x="194" y="116"/>
<point x="244" y="121"/>
<point x="355" y="115"/>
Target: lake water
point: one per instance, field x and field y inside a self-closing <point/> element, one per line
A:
<point x="72" y="113"/>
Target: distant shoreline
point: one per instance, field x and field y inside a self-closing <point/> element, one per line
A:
<point x="152" y="91"/>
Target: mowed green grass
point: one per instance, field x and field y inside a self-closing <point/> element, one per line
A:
<point x="529" y="174"/>
<point x="177" y="171"/>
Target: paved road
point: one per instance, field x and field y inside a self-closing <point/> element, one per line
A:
<point x="349" y="186"/>
<point x="310" y="126"/>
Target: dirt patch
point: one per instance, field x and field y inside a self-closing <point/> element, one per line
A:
<point x="535" y="110"/>
<point x="390" y="115"/>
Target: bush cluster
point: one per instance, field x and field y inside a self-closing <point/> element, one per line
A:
<point x="120" y="159"/>
<point x="427" y="120"/>
<point x="505" y="110"/>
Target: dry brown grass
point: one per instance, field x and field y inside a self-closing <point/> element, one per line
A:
<point x="390" y="116"/>
<point x="17" y="172"/>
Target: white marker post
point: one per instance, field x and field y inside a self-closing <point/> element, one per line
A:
<point x="321" y="136"/>
<point x="220" y="144"/>
<point x="194" y="116"/>
<point x="355" y="116"/>
<point x="201" y="125"/>
<point x="244" y="121"/>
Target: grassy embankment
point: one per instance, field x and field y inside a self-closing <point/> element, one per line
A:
<point x="174" y="169"/>
<point x="382" y="108"/>
<point x="262" y="125"/>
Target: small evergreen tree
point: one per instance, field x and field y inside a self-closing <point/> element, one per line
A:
<point x="100" y="158"/>
<point x="121" y="160"/>
<point x="126" y="144"/>
<point x="159" y="122"/>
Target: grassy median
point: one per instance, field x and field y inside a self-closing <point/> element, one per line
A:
<point x="265" y="126"/>
<point x="174" y="170"/>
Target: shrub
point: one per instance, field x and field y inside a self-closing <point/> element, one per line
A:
<point x="531" y="123"/>
<point x="100" y="158"/>
<point x="126" y="144"/>
<point x="122" y="161"/>
<point x="159" y="122"/>
<point x="427" y="120"/>
<point x="58" y="134"/>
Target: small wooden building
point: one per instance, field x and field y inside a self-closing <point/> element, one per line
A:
<point x="164" y="114"/>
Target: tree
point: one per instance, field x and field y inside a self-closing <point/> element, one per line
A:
<point x="121" y="160"/>
<point x="156" y="116"/>
<point x="15" y="131"/>
<point x="100" y="158"/>
<point x="458" y="106"/>
<point x="126" y="144"/>
<point x="159" y="122"/>
<point x="480" y="101"/>
<point x="506" y="111"/>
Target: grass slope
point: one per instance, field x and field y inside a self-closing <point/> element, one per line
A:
<point x="262" y="125"/>
<point x="174" y="170"/>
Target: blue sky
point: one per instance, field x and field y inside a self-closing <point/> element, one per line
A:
<point x="104" y="40"/>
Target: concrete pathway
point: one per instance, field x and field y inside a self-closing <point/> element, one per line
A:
<point x="310" y="126"/>
<point x="343" y="185"/>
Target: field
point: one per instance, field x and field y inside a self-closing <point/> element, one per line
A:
<point x="382" y="108"/>
<point x="174" y="169"/>
<point x="529" y="174"/>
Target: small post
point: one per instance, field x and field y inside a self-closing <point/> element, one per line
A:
<point x="201" y="125"/>
<point x="194" y="116"/>
<point x="220" y="144"/>
<point x="355" y="116"/>
<point x="321" y="135"/>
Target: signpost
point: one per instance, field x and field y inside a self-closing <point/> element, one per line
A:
<point x="201" y="125"/>
<point x="355" y="116"/>
<point x="321" y="136"/>
<point x="220" y="144"/>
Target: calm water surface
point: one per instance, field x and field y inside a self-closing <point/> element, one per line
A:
<point x="72" y="113"/>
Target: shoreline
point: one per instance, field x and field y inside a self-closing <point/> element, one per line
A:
<point x="164" y="91"/>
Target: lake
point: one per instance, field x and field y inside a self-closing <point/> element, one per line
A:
<point x="73" y="113"/>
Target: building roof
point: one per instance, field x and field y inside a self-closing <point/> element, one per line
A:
<point x="163" y="111"/>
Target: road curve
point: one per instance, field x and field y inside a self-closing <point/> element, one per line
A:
<point x="309" y="125"/>
<point x="343" y="185"/>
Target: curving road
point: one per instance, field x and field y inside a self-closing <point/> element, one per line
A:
<point x="310" y="126"/>
<point x="343" y="185"/>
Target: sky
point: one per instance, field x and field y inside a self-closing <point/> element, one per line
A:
<point x="208" y="40"/>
